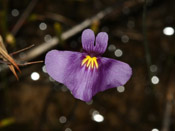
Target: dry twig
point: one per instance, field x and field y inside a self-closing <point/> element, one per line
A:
<point x="24" y="16"/>
<point x="42" y="48"/>
<point x="7" y="58"/>
<point x="54" y="41"/>
<point x="12" y="64"/>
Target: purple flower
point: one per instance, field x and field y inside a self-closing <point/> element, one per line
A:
<point x="87" y="73"/>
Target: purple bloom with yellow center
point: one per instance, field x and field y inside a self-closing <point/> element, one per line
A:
<point x="87" y="73"/>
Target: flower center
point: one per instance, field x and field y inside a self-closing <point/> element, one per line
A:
<point x="90" y="62"/>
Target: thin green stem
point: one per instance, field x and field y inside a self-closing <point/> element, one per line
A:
<point x="145" y="41"/>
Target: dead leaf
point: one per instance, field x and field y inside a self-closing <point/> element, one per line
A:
<point x="6" y="57"/>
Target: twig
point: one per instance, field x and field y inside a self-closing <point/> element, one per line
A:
<point x="6" y="57"/>
<point x="168" y="110"/>
<point x="48" y="100"/>
<point x="23" y="17"/>
<point x="42" y="48"/>
<point x="16" y="52"/>
<point x="71" y="115"/>
<point x="4" y="62"/>
<point x="22" y="64"/>
<point x="54" y="41"/>
<point x="60" y="18"/>
<point x="38" y="50"/>
<point x="44" y="109"/>
<point x="145" y="41"/>
<point x="30" y="63"/>
<point x="169" y="102"/>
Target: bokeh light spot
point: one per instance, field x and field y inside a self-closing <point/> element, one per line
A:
<point x="47" y="38"/>
<point x="62" y="119"/>
<point x="90" y="102"/>
<point x="131" y="24"/>
<point x="68" y="129"/>
<point x="44" y="69"/>
<point x="35" y="76"/>
<point x="42" y="26"/>
<point x="125" y="39"/>
<point x="118" y="53"/>
<point x="112" y="47"/>
<point x="153" y="68"/>
<point x="168" y="31"/>
<point x="154" y="129"/>
<point x="97" y="117"/>
<point x="15" y="12"/>
<point x="155" y="80"/>
<point x="121" y="89"/>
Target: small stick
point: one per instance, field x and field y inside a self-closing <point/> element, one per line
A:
<point x="36" y="51"/>
<point x="60" y="18"/>
<point x="30" y="63"/>
<point x="24" y="16"/>
<point x="4" y="62"/>
<point x="16" y="52"/>
<point x="7" y="57"/>
<point x="24" y="64"/>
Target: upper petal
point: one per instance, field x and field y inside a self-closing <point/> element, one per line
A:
<point x="88" y="38"/>
<point x="101" y="43"/>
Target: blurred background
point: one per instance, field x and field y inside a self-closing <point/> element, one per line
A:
<point x="141" y="33"/>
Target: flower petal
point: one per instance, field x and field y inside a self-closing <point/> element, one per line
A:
<point x="114" y="73"/>
<point x="65" y="67"/>
<point x="81" y="82"/>
<point x="85" y="83"/>
<point x="101" y="43"/>
<point x="57" y="63"/>
<point x="88" y="38"/>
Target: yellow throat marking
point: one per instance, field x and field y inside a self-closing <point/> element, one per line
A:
<point x="90" y="62"/>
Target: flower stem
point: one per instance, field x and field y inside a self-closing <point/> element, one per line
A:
<point x="145" y="41"/>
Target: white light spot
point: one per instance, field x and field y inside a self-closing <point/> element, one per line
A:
<point x="97" y="117"/>
<point x="153" y="68"/>
<point x="112" y="47"/>
<point x="155" y="80"/>
<point x="125" y="11"/>
<point x="62" y="119"/>
<point x="118" y="53"/>
<point x="90" y="102"/>
<point x="51" y="79"/>
<point x="64" y="89"/>
<point x="168" y="31"/>
<point x="131" y="24"/>
<point x="68" y="129"/>
<point x="35" y="76"/>
<point x="121" y="89"/>
<point x="47" y="37"/>
<point x="154" y="129"/>
<point x="22" y="55"/>
<point x="15" y="12"/>
<point x="42" y="26"/>
<point x="124" y="38"/>
<point x="95" y="112"/>
<point x="44" y="69"/>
